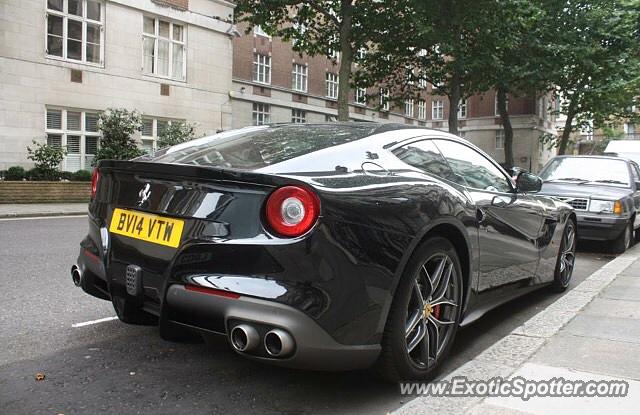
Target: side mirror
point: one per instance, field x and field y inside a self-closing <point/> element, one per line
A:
<point x="528" y="182"/>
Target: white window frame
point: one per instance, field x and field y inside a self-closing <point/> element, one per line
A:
<point x="437" y="109"/>
<point x="298" y="116"/>
<point x="408" y="108"/>
<point x="156" y="36"/>
<point x="332" y="82"/>
<point x="385" y="105"/>
<point x="462" y="109"/>
<point x="361" y="96"/>
<point x="422" y="109"/>
<point x="361" y="53"/>
<point x="153" y="138"/>
<point x="299" y="77"/>
<point x="64" y="132"/>
<point x="64" y="14"/>
<point x="261" y="72"/>
<point x="499" y="139"/>
<point x="257" y="31"/>
<point x="495" y="109"/>
<point x="261" y="113"/>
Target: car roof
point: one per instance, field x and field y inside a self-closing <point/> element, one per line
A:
<point x="592" y="156"/>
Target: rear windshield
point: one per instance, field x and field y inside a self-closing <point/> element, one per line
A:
<point x="587" y="170"/>
<point x="254" y="148"/>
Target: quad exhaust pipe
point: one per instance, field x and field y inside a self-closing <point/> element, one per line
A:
<point x="244" y="338"/>
<point x="278" y="343"/>
<point x="76" y="276"/>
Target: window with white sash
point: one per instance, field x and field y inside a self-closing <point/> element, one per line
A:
<point x="361" y="96"/>
<point x="77" y="132"/>
<point x="261" y="113"/>
<point x="298" y="116"/>
<point x="437" y="110"/>
<point x="462" y="109"/>
<point x="384" y="99"/>
<point x="408" y="108"/>
<point x="499" y="139"/>
<point x="261" y="68"/>
<point x="332" y="85"/>
<point x="164" y="48"/>
<point x="75" y="30"/>
<point x="422" y="110"/>
<point x="152" y="128"/>
<point x="299" y="77"/>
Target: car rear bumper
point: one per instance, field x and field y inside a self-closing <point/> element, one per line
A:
<point x="314" y="348"/>
<point x="265" y="303"/>
<point x="598" y="227"/>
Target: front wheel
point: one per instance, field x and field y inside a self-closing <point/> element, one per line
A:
<point x="424" y="315"/>
<point x="625" y="240"/>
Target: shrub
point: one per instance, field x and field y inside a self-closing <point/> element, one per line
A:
<point x="176" y="133"/>
<point x="81" y="176"/>
<point x="15" y="173"/>
<point x="47" y="159"/>
<point x="117" y="127"/>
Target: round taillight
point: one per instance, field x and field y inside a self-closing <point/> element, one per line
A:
<point x="291" y="210"/>
<point x="94" y="182"/>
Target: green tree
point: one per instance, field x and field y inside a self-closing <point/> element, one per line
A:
<point x="176" y="133"/>
<point x="318" y="28"/>
<point x="442" y="42"/>
<point x="518" y="60"/>
<point x="47" y="159"/>
<point x="118" y="126"/>
<point x="597" y="61"/>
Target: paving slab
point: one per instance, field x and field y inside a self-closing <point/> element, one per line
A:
<point x="601" y="356"/>
<point x="602" y="327"/>
<point x="568" y="405"/>
<point x="608" y="307"/>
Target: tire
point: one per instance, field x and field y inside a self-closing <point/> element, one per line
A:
<point x="566" y="258"/>
<point x="413" y="302"/>
<point x="131" y="313"/>
<point x="625" y="240"/>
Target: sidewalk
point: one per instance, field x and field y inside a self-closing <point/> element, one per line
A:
<point x="591" y="333"/>
<point x="42" y="209"/>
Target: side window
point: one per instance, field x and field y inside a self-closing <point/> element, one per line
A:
<point x="473" y="167"/>
<point x="635" y="172"/>
<point x="425" y="156"/>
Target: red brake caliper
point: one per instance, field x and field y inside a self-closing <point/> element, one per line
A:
<point x="436" y="311"/>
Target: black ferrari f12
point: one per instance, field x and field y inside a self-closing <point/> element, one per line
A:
<point x="321" y="246"/>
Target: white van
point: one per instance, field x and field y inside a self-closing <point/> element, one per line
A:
<point x="624" y="148"/>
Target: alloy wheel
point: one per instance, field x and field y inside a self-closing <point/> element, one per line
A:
<point x="432" y="310"/>
<point x="568" y="254"/>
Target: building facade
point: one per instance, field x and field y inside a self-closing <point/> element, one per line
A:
<point x="64" y="61"/>
<point x="274" y="84"/>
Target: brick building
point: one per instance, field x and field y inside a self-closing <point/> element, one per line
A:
<point x="63" y="61"/>
<point x="272" y="83"/>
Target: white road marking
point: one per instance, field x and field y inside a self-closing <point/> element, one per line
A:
<point x="88" y="323"/>
<point x="9" y="219"/>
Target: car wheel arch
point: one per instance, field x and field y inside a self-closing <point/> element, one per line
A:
<point x="455" y="233"/>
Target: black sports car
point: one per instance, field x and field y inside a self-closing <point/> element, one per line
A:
<point x="327" y="246"/>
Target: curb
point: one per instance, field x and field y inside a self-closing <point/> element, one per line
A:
<point x="41" y="215"/>
<point x="505" y="356"/>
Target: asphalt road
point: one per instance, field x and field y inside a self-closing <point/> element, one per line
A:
<point x="110" y="367"/>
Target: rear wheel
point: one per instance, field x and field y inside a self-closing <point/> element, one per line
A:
<point x="425" y="314"/>
<point x="625" y="240"/>
<point x="131" y="313"/>
<point x="566" y="258"/>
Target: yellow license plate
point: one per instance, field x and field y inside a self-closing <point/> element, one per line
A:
<point x="147" y="227"/>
